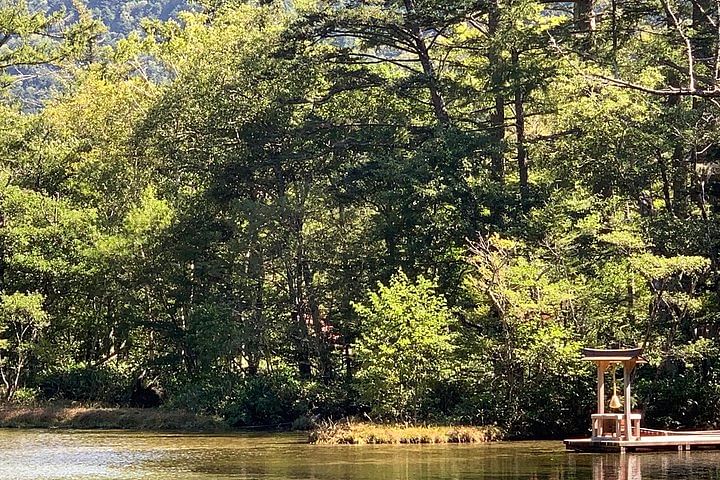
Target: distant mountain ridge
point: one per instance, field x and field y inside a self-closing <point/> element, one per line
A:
<point x="121" y="16"/>
<point x="125" y="16"/>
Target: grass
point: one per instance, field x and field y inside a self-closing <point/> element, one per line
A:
<point x="362" y="433"/>
<point x="90" y="418"/>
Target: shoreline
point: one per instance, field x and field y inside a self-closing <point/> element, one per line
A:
<point x="79" y="417"/>
<point x="97" y="418"/>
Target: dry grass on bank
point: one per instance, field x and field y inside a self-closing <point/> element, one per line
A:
<point x="74" y="417"/>
<point x="361" y="433"/>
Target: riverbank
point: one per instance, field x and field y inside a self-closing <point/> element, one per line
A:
<point x="361" y="433"/>
<point x="60" y="416"/>
<point x="94" y="418"/>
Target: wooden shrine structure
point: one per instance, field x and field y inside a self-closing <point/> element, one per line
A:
<point x="614" y="425"/>
<point x="617" y="428"/>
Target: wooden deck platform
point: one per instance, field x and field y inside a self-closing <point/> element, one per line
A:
<point x="650" y="443"/>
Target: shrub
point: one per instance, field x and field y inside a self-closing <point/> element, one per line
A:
<point x="268" y="399"/>
<point x="328" y="400"/>
<point x="273" y="399"/>
<point x="350" y="432"/>
<point x="405" y="346"/>
<point x="26" y="396"/>
<point x="80" y="382"/>
<point x="303" y="423"/>
<point x="202" y="394"/>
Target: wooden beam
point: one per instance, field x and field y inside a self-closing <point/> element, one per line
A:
<point x="601" y="367"/>
<point x="628" y="368"/>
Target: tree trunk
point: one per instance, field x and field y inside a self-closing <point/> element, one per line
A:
<point x="665" y="183"/>
<point x="433" y="83"/>
<point x="584" y="15"/>
<point x="680" y="179"/>
<point x="324" y="362"/>
<point x="255" y="271"/>
<point x="680" y="175"/>
<point x="705" y="35"/>
<point x="522" y="156"/>
<point x="614" y="28"/>
<point x="497" y="118"/>
<point x="298" y="317"/>
<point x="3" y="262"/>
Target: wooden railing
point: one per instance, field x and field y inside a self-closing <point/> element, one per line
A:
<point x="649" y="432"/>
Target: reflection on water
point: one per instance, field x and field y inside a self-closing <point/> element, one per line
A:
<point x="617" y="467"/>
<point x="44" y="455"/>
<point x="648" y="466"/>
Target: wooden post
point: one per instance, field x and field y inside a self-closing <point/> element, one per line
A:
<point x="628" y="367"/>
<point x="598" y="424"/>
<point x="601" y="386"/>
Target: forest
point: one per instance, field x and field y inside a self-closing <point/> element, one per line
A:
<point x="401" y="210"/>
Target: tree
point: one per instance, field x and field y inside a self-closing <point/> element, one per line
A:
<point x="22" y="322"/>
<point x="30" y="37"/>
<point x="405" y="346"/>
<point x="523" y="305"/>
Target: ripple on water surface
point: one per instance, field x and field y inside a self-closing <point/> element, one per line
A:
<point x="101" y="455"/>
<point x="35" y="455"/>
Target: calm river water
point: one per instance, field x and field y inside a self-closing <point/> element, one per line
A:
<point x="118" y="455"/>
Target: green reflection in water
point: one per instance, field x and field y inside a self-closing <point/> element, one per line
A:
<point x="119" y="455"/>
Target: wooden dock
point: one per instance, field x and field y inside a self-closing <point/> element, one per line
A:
<point x="644" y="444"/>
<point x="622" y="431"/>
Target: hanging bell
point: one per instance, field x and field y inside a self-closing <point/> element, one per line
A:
<point x="615" y="403"/>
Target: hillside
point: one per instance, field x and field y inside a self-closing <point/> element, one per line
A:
<point x="122" y="16"/>
<point x="37" y="83"/>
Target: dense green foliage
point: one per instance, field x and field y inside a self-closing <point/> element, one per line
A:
<point x="405" y="348"/>
<point x="410" y="210"/>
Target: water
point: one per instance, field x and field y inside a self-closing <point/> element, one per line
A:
<point x="45" y="455"/>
